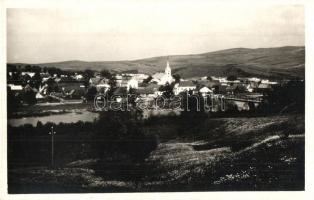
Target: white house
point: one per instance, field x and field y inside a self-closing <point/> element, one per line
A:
<point x="266" y="81"/>
<point x="139" y="77"/>
<point x="78" y="76"/>
<point x="15" y="87"/>
<point x="254" y="79"/>
<point x="31" y="74"/>
<point x="183" y="86"/>
<point x="205" y="91"/>
<point x="133" y="83"/>
<point x="102" y="87"/>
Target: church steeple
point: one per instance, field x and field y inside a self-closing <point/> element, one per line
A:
<point x="168" y="69"/>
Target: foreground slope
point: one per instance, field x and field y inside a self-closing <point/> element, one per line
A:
<point x="218" y="154"/>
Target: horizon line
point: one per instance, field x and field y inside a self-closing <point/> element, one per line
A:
<point x="169" y="55"/>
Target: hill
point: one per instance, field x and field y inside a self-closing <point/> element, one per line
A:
<point x="279" y="62"/>
<point x="217" y="154"/>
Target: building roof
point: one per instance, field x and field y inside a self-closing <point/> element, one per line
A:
<point x="150" y="89"/>
<point x="187" y="84"/>
<point x="121" y="91"/>
<point x="98" y="80"/>
<point x="103" y="85"/>
<point x="205" y="90"/>
<point x="15" y="87"/>
<point x="231" y="87"/>
<point x="264" y="86"/>
<point x="158" y="75"/>
<point x="95" y="80"/>
<point x="206" y="83"/>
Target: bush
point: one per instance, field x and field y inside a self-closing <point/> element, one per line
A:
<point x="121" y="135"/>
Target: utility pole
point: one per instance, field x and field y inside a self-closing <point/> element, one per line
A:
<point x="52" y="133"/>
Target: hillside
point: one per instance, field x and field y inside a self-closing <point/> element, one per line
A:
<point x="224" y="154"/>
<point x="279" y="62"/>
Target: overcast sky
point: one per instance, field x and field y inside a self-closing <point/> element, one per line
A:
<point x="132" y="31"/>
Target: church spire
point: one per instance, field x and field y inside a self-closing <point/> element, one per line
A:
<point x="168" y="69"/>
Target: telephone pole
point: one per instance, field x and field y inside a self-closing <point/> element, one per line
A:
<point x="52" y="133"/>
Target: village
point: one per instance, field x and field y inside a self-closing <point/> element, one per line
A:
<point x="37" y="86"/>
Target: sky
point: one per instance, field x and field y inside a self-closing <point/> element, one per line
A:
<point x="117" y="31"/>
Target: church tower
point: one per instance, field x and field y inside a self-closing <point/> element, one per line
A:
<point x="168" y="69"/>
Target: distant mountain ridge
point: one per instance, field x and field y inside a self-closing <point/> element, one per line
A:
<point x="278" y="62"/>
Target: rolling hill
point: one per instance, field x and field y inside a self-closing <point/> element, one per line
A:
<point x="279" y="62"/>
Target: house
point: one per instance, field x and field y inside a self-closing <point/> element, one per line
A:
<point x="183" y="86"/>
<point x="120" y="93"/>
<point x="15" y="88"/>
<point x="205" y="91"/>
<point x="78" y="77"/>
<point x="29" y="88"/>
<point x="138" y="77"/>
<point x="219" y="79"/>
<point x="254" y="79"/>
<point x="249" y="88"/>
<point x="30" y="74"/>
<point x="204" y="78"/>
<point x="118" y="79"/>
<point x="231" y="89"/>
<point x="72" y="89"/>
<point x="98" y="81"/>
<point x="126" y="81"/>
<point x="236" y="89"/>
<point x="151" y="90"/>
<point x="206" y="83"/>
<point x="156" y="77"/>
<point x="43" y="89"/>
<point x="266" y="81"/>
<point x="94" y="81"/>
<point x="263" y="88"/>
<point x="133" y="83"/>
<point x="101" y="84"/>
<point x="102" y="87"/>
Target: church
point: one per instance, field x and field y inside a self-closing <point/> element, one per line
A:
<point x="163" y="78"/>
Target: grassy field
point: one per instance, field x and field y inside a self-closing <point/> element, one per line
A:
<point x="216" y="154"/>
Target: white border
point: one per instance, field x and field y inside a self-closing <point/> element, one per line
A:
<point x="309" y="15"/>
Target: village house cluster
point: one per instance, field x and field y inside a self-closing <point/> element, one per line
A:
<point x="29" y="87"/>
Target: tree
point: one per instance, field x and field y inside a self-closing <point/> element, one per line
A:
<point x="231" y="78"/>
<point x="28" y="68"/>
<point x="29" y="96"/>
<point x="290" y="96"/>
<point x="177" y="78"/>
<point x="52" y="71"/>
<point x="209" y="78"/>
<point x="121" y="135"/>
<point x="14" y="101"/>
<point x="91" y="93"/>
<point x="52" y="86"/>
<point x="167" y="90"/>
<point x="216" y="89"/>
<point x="17" y="77"/>
<point x="87" y="74"/>
<point x="106" y="74"/>
<point x="132" y="97"/>
<point x="36" y="80"/>
<point x="148" y="79"/>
